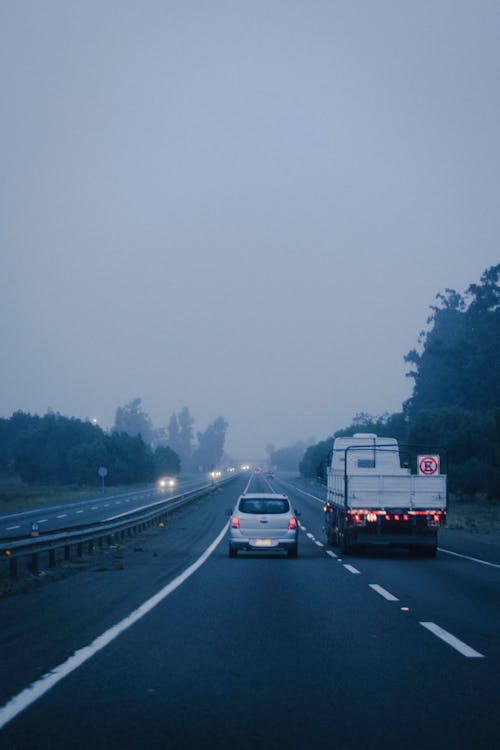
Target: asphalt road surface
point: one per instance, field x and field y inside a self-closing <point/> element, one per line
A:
<point x="372" y="651"/>
<point x="97" y="509"/>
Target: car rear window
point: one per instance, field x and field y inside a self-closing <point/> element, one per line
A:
<point x="264" y="505"/>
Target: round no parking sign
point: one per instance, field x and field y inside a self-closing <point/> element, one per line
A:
<point x="428" y="466"/>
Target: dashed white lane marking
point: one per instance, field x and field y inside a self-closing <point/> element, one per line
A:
<point x="320" y="544"/>
<point x="352" y="569"/>
<point x="452" y="641"/>
<point x="42" y="520"/>
<point x="311" y="536"/>
<point x="386" y="594"/>
<point x="466" y="557"/>
<point x="94" y="507"/>
<point x="79" y="511"/>
<point x="106" y="505"/>
<point x="329" y="552"/>
<point x="11" y="528"/>
<point x="63" y="515"/>
<point x="29" y="695"/>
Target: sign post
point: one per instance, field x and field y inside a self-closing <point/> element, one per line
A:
<point x="103" y="472"/>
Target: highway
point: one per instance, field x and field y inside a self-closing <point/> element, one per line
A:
<point x="180" y="646"/>
<point x="85" y="512"/>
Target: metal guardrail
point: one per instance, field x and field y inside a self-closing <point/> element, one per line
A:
<point x="126" y="524"/>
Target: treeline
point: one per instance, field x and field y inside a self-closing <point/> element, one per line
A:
<point x="202" y="451"/>
<point x="54" y="449"/>
<point x="456" y="394"/>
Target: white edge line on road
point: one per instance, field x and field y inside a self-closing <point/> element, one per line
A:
<point x="11" y="528"/>
<point x="29" y="695"/>
<point x="466" y="557"/>
<point x="352" y="569"/>
<point x="330" y="553"/>
<point x="450" y="639"/>
<point x="386" y="594"/>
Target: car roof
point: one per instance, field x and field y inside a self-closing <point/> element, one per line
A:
<point x="268" y="495"/>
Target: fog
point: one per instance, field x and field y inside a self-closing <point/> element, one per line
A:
<point x="245" y="208"/>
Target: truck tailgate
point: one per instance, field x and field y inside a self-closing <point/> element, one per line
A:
<point x="386" y="491"/>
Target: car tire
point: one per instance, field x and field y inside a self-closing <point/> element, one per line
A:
<point x="232" y="551"/>
<point x="293" y="551"/>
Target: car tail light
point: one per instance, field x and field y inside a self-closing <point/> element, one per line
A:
<point x="235" y="522"/>
<point x="371" y="517"/>
<point x="292" y="524"/>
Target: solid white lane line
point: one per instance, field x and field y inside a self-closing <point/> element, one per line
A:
<point x="352" y="569"/>
<point x="329" y="552"/>
<point x="383" y="592"/>
<point x="11" y="528"/>
<point x="29" y="695"/>
<point x="320" y="544"/>
<point x="466" y="557"/>
<point x="452" y="641"/>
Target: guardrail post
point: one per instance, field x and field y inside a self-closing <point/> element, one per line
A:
<point x="79" y="549"/>
<point x="52" y="558"/>
<point x="13" y="567"/>
<point x="66" y="552"/>
<point x="91" y="548"/>
<point x="34" y="563"/>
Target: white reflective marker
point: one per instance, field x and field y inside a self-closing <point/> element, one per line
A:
<point x="29" y="695"/>
<point x="452" y="641"/>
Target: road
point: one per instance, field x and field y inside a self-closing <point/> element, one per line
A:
<point x="371" y="651"/>
<point x="84" y="512"/>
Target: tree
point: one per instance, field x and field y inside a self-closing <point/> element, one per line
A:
<point x="185" y="450"/>
<point x="210" y="449"/>
<point x="459" y="363"/>
<point x="166" y="461"/>
<point x="133" y="420"/>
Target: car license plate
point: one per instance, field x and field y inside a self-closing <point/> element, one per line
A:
<point x="263" y="542"/>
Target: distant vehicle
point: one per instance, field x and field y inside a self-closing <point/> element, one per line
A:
<point x="167" y="483"/>
<point x="373" y="497"/>
<point x="262" y="523"/>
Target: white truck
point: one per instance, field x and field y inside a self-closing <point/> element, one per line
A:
<point x="374" y="498"/>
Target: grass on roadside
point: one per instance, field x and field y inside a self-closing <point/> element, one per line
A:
<point x="480" y="515"/>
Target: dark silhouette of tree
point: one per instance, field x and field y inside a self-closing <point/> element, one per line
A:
<point x="133" y="420"/>
<point x="210" y="449"/>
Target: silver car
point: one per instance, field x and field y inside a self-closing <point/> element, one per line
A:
<point x="263" y="522"/>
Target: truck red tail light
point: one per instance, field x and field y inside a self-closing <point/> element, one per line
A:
<point x="292" y="524"/>
<point x="235" y="522"/>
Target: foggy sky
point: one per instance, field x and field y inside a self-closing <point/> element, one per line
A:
<point x="242" y="207"/>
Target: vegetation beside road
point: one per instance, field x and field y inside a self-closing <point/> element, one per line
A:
<point x="455" y="402"/>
